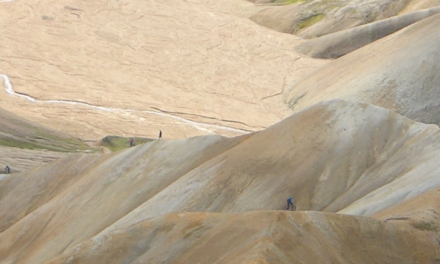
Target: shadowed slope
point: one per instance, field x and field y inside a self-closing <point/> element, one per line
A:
<point x="24" y="144"/>
<point x="399" y="72"/>
<point x="256" y="237"/>
<point x="342" y="42"/>
<point x="20" y="133"/>
<point x="316" y="18"/>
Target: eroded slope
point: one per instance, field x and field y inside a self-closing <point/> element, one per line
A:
<point x="336" y="156"/>
<point x="399" y="72"/>
<point x="97" y="197"/>
<point x="257" y="237"/>
<point x="24" y="144"/>
<point x="340" y="43"/>
<point x="316" y="18"/>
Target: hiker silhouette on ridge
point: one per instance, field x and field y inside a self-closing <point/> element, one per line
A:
<point x="160" y="134"/>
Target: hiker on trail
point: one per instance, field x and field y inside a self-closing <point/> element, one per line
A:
<point x="131" y="142"/>
<point x="7" y="169"/>
<point x="160" y="134"/>
<point x="290" y="202"/>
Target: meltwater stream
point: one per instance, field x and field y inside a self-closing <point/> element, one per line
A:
<point x="199" y="126"/>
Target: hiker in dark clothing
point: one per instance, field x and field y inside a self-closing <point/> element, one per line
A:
<point x="290" y="202"/>
<point x="131" y="142"/>
<point x="160" y="134"/>
<point x="7" y="169"/>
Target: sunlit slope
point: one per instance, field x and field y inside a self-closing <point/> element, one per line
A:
<point x="421" y="4"/>
<point x="25" y="192"/>
<point x="257" y="237"/>
<point x="18" y="159"/>
<point x="335" y="156"/>
<point x="422" y="211"/>
<point x="328" y="157"/>
<point x="96" y="198"/>
<point x="399" y="72"/>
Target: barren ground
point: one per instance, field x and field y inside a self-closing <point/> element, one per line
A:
<point x="185" y="67"/>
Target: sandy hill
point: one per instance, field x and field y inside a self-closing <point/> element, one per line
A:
<point x="316" y="18"/>
<point x="363" y="171"/>
<point x="337" y="44"/>
<point x="256" y="237"/>
<point x="337" y="156"/>
<point x="399" y="72"/>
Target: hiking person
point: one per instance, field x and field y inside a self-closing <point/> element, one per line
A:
<point x="131" y="142"/>
<point x="7" y="169"/>
<point x="160" y="134"/>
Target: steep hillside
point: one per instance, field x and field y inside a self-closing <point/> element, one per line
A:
<point x="363" y="171"/>
<point x="31" y="190"/>
<point x="20" y="133"/>
<point x="99" y="196"/>
<point x="343" y="42"/>
<point x="24" y="144"/>
<point x="329" y="156"/>
<point x="257" y="237"/>
<point x="336" y="156"/>
<point x="399" y="72"/>
<point x="421" y="211"/>
<point x="18" y="159"/>
<point x="315" y="18"/>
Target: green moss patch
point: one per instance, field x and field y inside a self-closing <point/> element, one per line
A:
<point x="16" y="143"/>
<point x="426" y="226"/>
<point x="17" y="132"/>
<point x="45" y="141"/>
<point x="286" y="2"/>
<point x="115" y="143"/>
<point x="307" y="22"/>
